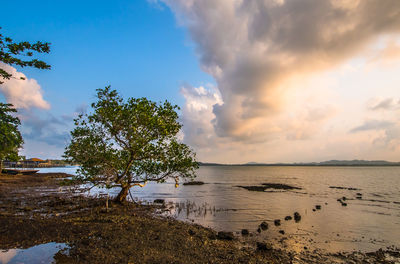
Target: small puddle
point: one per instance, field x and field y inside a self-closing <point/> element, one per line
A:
<point x="43" y="253"/>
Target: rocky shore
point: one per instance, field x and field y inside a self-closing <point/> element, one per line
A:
<point x="35" y="209"/>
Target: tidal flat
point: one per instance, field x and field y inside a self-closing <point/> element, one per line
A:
<point x="35" y="210"/>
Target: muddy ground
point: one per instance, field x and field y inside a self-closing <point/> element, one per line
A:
<point x="34" y="210"/>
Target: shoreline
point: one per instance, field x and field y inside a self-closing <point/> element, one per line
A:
<point x="35" y="210"/>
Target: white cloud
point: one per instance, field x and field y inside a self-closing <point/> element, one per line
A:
<point x="252" y="48"/>
<point x="197" y="115"/>
<point x="25" y="93"/>
<point x="266" y="56"/>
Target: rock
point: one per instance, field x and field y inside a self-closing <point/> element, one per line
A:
<point x="254" y="188"/>
<point x="313" y="210"/>
<point x="264" y="186"/>
<point x="262" y="246"/>
<point x="225" y="235"/>
<point x="160" y="201"/>
<point x="344" y="188"/>
<point x="245" y="232"/>
<point x="344" y="198"/>
<point x="318" y="207"/>
<point x="359" y="194"/>
<point x="212" y="236"/>
<point x="277" y="222"/>
<point x="287" y="218"/>
<point x="259" y="230"/>
<point x="343" y="203"/>
<point x="280" y="186"/>
<point x="282" y="232"/>
<point x="297" y="217"/>
<point x="264" y="225"/>
<point x="194" y="183"/>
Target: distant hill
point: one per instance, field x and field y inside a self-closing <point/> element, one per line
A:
<point x="359" y="163"/>
<point x="323" y="163"/>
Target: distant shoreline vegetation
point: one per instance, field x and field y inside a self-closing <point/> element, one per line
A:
<point x="350" y="163"/>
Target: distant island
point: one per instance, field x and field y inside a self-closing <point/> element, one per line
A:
<point x="323" y="163"/>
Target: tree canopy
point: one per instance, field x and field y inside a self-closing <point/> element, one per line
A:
<point x="128" y="143"/>
<point x="21" y="54"/>
<point x="10" y="137"/>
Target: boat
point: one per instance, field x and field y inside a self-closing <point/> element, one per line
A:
<point x="16" y="172"/>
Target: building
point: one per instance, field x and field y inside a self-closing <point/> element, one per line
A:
<point x="33" y="162"/>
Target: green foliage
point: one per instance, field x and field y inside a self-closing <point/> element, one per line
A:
<point x="129" y="143"/>
<point x="58" y="162"/>
<point x="20" y="54"/>
<point x="10" y="137"/>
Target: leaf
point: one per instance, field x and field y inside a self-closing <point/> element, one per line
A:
<point x="126" y="143"/>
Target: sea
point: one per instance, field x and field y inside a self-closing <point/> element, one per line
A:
<point x="341" y="208"/>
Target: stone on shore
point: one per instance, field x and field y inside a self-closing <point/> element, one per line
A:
<point x="223" y="235"/>
<point x="262" y="246"/>
<point x="276" y="186"/>
<point x="193" y="183"/>
<point x="264" y="225"/>
<point x="245" y="232"/>
<point x="297" y="217"/>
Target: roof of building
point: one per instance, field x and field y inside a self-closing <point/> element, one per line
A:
<point x="36" y="159"/>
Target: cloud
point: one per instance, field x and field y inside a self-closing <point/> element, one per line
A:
<point x="254" y="48"/>
<point x="391" y="138"/>
<point x="303" y="123"/>
<point x="22" y="93"/>
<point x="389" y="54"/>
<point x="384" y="104"/>
<point x="46" y="135"/>
<point x="79" y="110"/>
<point x="44" y="127"/>
<point x="197" y="115"/>
<point x="372" y="125"/>
<point x="308" y="123"/>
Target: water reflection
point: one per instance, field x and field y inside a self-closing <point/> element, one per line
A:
<point x="43" y="253"/>
<point x="369" y="220"/>
<point x="189" y="210"/>
<point x="7" y="255"/>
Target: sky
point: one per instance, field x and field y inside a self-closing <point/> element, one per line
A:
<point x="256" y="80"/>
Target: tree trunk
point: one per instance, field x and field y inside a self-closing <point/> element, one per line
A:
<point x="1" y="166"/>
<point x="121" y="197"/>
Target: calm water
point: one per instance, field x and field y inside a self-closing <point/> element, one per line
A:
<point x="38" y="254"/>
<point x="364" y="224"/>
